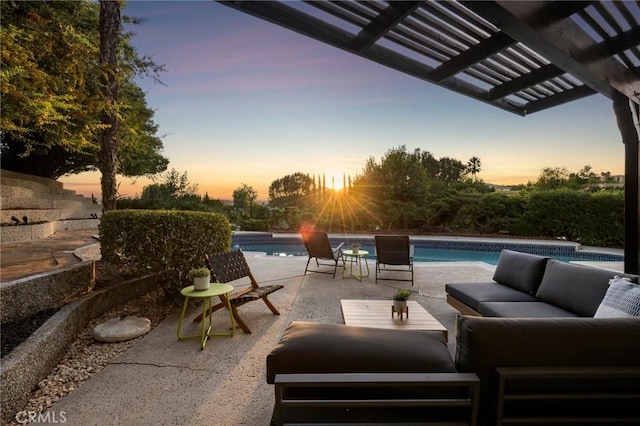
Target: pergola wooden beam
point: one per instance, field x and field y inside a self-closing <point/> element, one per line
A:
<point x="559" y="99"/>
<point x="471" y="56"/>
<point x="628" y="116"/>
<point x="302" y="23"/>
<point x="383" y="23"/>
<point x="613" y="46"/>
<point x="556" y="42"/>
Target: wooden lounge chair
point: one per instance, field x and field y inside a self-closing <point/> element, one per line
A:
<point x="231" y="266"/>
<point x="319" y="248"/>
<point x="393" y="252"/>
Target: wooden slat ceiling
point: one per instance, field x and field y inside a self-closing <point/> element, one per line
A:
<point x="520" y="56"/>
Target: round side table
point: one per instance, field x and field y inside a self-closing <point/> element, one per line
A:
<point x="357" y="258"/>
<point x="214" y="289"/>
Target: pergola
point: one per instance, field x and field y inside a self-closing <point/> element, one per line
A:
<point x="520" y="56"/>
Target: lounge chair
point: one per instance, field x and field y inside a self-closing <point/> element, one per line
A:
<point x="319" y="248"/>
<point x="393" y="252"/>
<point x="231" y="266"/>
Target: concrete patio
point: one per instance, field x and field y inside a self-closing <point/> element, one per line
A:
<point x="163" y="381"/>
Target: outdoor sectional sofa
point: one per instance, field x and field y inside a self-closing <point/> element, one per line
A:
<point x="568" y="367"/>
<point x="529" y="286"/>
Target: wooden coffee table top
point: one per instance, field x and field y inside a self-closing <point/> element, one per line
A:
<point x="377" y="314"/>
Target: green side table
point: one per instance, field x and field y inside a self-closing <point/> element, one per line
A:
<point x="348" y="256"/>
<point x="221" y="290"/>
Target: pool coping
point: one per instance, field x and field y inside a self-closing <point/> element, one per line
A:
<point x="560" y="243"/>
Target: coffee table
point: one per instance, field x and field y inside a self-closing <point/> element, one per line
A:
<point x="377" y="314"/>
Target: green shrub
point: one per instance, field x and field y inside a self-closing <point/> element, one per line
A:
<point x="260" y="225"/>
<point x="589" y="218"/>
<point x="171" y="241"/>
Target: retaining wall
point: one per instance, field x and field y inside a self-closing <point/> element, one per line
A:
<point x="34" y="359"/>
<point x="21" y="298"/>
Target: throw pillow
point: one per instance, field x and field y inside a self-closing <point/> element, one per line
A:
<point x="621" y="300"/>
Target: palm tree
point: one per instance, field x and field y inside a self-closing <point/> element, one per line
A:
<point x="473" y="165"/>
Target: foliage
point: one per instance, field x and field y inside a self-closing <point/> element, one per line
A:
<point x="400" y="176"/>
<point x="451" y="170"/>
<point x="160" y="240"/>
<point x="559" y="177"/>
<point x="464" y="206"/>
<point x="51" y="100"/>
<point x="484" y="213"/>
<point x="174" y="191"/>
<point x="589" y="218"/>
<point x="289" y="190"/>
<point x="243" y="198"/>
<point x="401" y="295"/>
<point x="199" y="272"/>
<point x="474" y="166"/>
<point x="258" y="225"/>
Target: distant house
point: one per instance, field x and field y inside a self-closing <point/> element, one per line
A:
<point x="501" y="188"/>
<point x="612" y="181"/>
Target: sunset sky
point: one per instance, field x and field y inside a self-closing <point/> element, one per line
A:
<point x="246" y="101"/>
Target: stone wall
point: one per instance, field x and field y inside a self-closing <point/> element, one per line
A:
<point x="19" y="299"/>
<point x="23" y="368"/>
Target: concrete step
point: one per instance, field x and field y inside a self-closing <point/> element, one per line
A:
<point x="43" y="230"/>
<point x="11" y="191"/>
<point x="34" y="183"/>
<point x="49" y="215"/>
<point x="46" y="201"/>
<point x="46" y="204"/>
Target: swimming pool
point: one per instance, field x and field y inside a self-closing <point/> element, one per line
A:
<point x="425" y="250"/>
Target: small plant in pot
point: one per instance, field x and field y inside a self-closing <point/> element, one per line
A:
<point x="400" y="300"/>
<point x="355" y="247"/>
<point x="201" y="278"/>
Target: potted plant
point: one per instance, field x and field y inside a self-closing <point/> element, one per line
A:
<point x="400" y="300"/>
<point x="201" y="278"/>
<point x="355" y="247"/>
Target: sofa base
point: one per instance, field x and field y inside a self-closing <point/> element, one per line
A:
<point x="382" y="398"/>
<point x="462" y="307"/>
<point x="568" y="395"/>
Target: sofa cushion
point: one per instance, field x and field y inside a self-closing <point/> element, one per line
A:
<point x="521" y="271"/>
<point x="576" y="288"/>
<point x="621" y="300"/>
<point x="472" y="294"/>
<point x="308" y="347"/>
<point x="523" y="310"/>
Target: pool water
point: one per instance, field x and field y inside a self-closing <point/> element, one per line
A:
<point x="421" y="254"/>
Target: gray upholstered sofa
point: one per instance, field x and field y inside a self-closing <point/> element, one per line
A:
<point x="558" y="366"/>
<point x="530" y="286"/>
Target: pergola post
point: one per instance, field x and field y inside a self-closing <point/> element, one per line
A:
<point x="627" y="115"/>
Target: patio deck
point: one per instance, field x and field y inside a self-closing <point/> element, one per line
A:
<point x="161" y="380"/>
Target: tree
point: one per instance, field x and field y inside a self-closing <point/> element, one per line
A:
<point x="173" y="187"/>
<point x="290" y="189"/>
<point x="403" y="176"/>
<point x="52" y="104"/>
<point x="473" y="166"/>
<point x="451" y="170"/>
<point x="243" y="198"/>
<point x="552" y="178"/>
<point x="49" y="49"/>
<point x="430" y="163"/>
<point x="110" y="36"/>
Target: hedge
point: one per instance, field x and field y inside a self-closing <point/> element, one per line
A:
<point x="589" y="218"/>
<point x="163" y="240"/>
